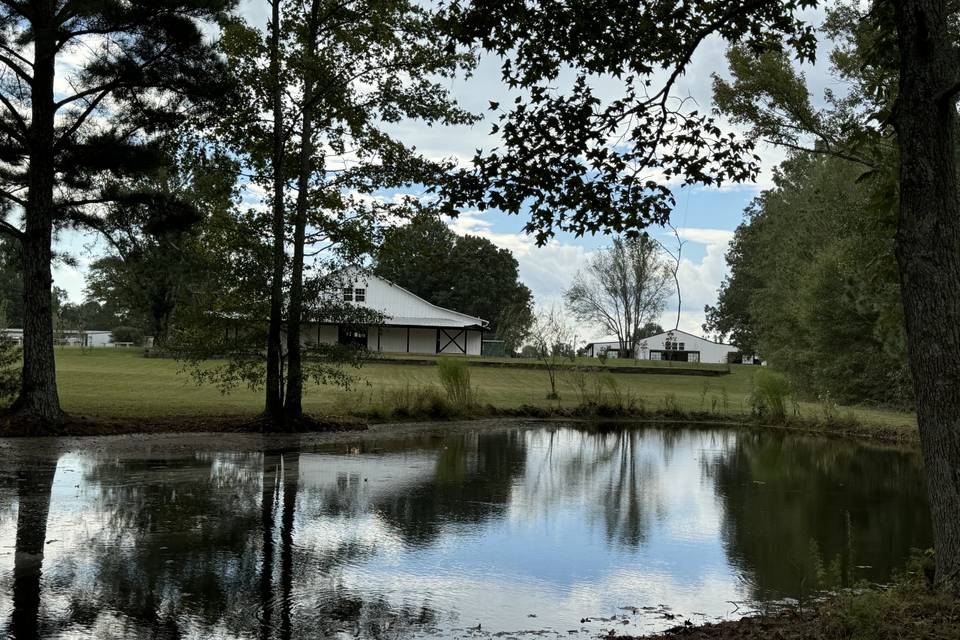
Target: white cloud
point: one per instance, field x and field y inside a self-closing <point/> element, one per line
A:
<point x="706" y="236"/>
<point x="549" y="270"/>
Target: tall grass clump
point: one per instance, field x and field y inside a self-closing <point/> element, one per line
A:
<point x="455" y="379"/>
<point x="411" y="401"/>
<point x="769" y="396"/>
<point x="600" y="394"/>
<point x="579" y="380"/>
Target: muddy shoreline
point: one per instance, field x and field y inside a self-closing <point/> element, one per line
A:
<point x="327" y="427"/>
<point x="908" y="610"/>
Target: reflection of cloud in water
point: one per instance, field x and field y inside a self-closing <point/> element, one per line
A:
<point x="567" y="547"/>
<point x="504" y="602"/>
<point x="366" y="531"/>
<point x="625" y="482"/>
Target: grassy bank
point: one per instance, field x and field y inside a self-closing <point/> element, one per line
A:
<point x="906" y="610"/>
<point x="121" y="384"/>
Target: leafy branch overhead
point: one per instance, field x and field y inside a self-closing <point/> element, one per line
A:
<point x="771" y="98"/>
<point x="581" y="163"/>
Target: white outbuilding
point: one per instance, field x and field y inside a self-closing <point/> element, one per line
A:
<point x="674" y="345"/>
<point x="72" y="338"/>
<point x="410" y="324"/>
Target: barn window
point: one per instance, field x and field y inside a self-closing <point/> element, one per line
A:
<point x="348" y="294"/>
<point x="359" y="295"/>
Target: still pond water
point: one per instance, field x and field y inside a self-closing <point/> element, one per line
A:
<point x="551" y="531"/>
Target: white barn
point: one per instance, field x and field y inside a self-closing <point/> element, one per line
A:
<point x="672" y="345"/>
<point x="410" y="324"/>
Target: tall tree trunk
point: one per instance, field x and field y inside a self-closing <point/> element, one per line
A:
<point x="294" y="399"/>
<point x="273" y="408"/>
<point x="928" y="251"/>
<point x="34" y="483"/>
<point x="39" y="403"/>
<point x="291" y="484"/>
<point x="271" y="465"/>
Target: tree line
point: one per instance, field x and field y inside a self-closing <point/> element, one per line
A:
<point x="300" y="106"/>
<point x="814" y="283"/>
<point x="813" y="286"/>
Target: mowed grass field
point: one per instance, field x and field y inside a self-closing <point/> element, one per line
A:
<point x="122" y="383"/>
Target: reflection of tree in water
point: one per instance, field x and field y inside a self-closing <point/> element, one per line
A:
<point x="300" y="590"/>
<point x="176" y="540"/>
<point x="208" y="546"/>
<point x="791" y="503"/>
<point x="615" y="475"/>
<point x="34" y="482"/>
<point x="471" y="484"/>
<point x="630" y="493"/>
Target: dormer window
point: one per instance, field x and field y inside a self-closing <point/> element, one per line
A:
<point x="359" y="295"/>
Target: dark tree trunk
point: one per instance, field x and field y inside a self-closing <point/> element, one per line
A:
<point x="271" y="465"/>
<point x="928" y="251"/>
<point x="162" y="304"/>
<point x="273" y="408"/>
<point x="39" y="403"/>
<point x="159" y="330"/>
<point x="294" y="398"/>
<point x="291" y="477"/>
<point x="34" y="482"/>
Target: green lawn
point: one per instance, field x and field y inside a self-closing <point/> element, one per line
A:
<point x="122" y="383"/>
<point x="581" y="360"/>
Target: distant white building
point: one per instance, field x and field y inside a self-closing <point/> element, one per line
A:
<point x="71" y="338"/>
<point x="675" y="345"/>
<point x="410" y="323"/>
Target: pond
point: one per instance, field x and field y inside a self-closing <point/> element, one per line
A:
<point x="504" y="531"/>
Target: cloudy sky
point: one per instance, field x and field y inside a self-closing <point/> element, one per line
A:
<point x="706" y="217"/>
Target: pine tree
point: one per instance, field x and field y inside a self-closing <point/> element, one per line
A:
<point x="132" y="68"/>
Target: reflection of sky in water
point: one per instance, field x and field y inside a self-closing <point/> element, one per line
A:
<point x="440" y="533"/>
<point x="549" y="552"/>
